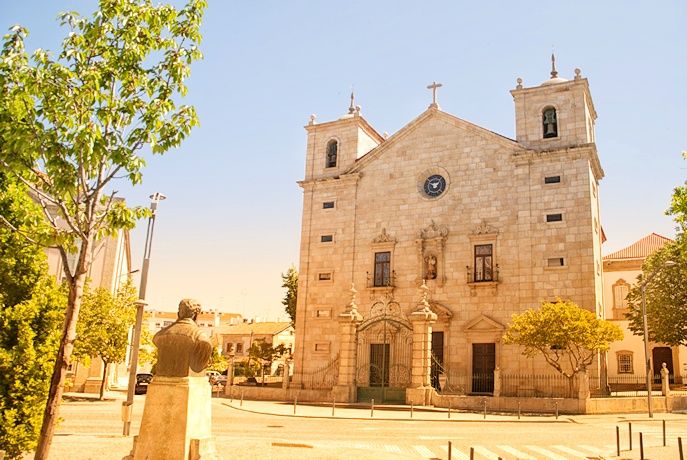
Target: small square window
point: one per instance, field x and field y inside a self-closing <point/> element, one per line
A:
<point x="552" y="179"/>
<point x="323" y="313"/>
<point x="324" y="277"/>
<point x="554" y="217"/>
<point x="328" y="205"/>
<point x="327" y="238"/>
<point x="556" y="262"/>
<point x="324" y="346"/>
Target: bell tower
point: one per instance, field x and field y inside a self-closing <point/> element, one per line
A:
<point x="334" y="146"/>
<point x="557" y="114"/>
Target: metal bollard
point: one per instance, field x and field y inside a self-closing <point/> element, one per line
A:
<point x="664" y="433"/>
<point x="295" y="403"/>
<point x="518" y="410"/>
<point x="629" y="426"/>
<point x="241" y="397"/>
<point x="449" y="409"/>
<point x="372" y="407"/>
<point x="449" y="450"/>
<point x="472" y="453"/>
<point x="333" y="406"/>
<point x="641" y="446"/>
<point x="617" y="439"/>
<point x="679" y="445"/>
<point x="556" y="404"/>
<point x="411" y="410"/>
<point x="484" y="401"/>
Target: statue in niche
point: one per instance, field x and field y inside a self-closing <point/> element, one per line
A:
<point x="431" y="267"/>
<point x="183" y="349"/>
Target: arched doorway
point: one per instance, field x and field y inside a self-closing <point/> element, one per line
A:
<point x="384" y="352"/>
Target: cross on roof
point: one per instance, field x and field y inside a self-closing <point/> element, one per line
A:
<point x="434" y="86"/>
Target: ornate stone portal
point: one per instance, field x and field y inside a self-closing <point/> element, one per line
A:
<point x="177" y="420"/>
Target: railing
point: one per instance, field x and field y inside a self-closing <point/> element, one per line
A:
<point x="385" y="282"/>
<point x="634" y="385"/>
<point x="470" y="275"/>
<point x="539" y="385"/>
<point x="323" y="378"/>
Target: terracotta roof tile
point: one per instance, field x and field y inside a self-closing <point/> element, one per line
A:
<point x="640" y="249"/>
<point x="265" y="328"/>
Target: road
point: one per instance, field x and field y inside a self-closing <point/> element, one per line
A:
<point x="92" y="429"/>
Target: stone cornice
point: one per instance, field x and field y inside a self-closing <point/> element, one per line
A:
<point x="343" y="180"/>
<point x="588" y="151"/>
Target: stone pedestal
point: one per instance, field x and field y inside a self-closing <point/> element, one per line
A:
<point x="177" y="421"/>
<point x="583" y="385"/>
<point x="420" y="391"/>
<point x="345" y="389"/>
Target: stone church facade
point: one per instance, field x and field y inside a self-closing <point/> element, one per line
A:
<point x="417" y="248"/>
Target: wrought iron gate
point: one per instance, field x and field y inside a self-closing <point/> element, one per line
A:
<point x="384" y="354"/>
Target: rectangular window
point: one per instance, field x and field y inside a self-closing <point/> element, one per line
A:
<point x="555" y="262"/>
<point x="625" y="363"/>
<point x="324" y="277"/>
<point x="554" y="217"/>
<point x="552" y="179"/>
<point x="322" y="347"/>
<point x="323" y="313"/>
<point x="167" y="323"/>
<point x="484" y="262"/>
<point x="326" y="238"/>
<point x="239" y="347"/>
<point x="382" y="274"/>
<point x="620" y="292"/>
<point x="328" y="205"/>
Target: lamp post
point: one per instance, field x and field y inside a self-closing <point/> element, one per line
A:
<point x="140" y="305"/>
<point x="647" y="358"/>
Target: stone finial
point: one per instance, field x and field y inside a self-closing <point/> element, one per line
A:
<point x="353" y="306"/>
<point x="578" y="74"/>
<point x="424" y="289"/>
<point x="519" y="83"/>
<point x="312" y="119"/>
<point x="352" y="107"/>
<point x="385" y="135"/>
<point x="554" y="72"/>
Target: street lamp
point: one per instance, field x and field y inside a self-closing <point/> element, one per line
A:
<point x="140" y="305"/>
<point x="647" y="359"/>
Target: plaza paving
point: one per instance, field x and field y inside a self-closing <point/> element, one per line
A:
<point x="91" y="429"/>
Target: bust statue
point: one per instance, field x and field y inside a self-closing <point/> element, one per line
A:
<point x="183" y="349"/>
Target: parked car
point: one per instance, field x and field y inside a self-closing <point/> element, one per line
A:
<point x="213" y="377"/>
<point x="142" y="381"/>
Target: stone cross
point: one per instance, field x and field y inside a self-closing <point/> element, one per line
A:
<point x="434" y="86"/>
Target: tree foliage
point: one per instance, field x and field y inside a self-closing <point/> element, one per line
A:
<point x="567" y="336"/>
<point x="22" y="261"/>
<point x="290" y="283"/>
<point x="265" y="353"/>
<point x="103" y="330"/>
<point x="218" y="362"/>
<point x="666" y="297"/>
<point x="71" y="124"/>
<point x="29" y="339"/>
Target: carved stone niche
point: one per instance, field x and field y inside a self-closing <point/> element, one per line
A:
<point x="430" y="253"/>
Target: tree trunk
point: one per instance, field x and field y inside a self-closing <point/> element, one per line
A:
<point x="52" y="405"/>
<point x="103" y="383"/>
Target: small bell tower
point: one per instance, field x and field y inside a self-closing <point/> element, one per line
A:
<point x="559" y="113"/>
<point x="334" y="146"/>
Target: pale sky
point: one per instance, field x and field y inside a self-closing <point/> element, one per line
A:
<point x="231" y="223"/>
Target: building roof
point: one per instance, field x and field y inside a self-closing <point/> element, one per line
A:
<point x="640" y="249"/>
<point x="266" y="328"/>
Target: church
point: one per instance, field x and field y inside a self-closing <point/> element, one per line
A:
<point x="417" y="248"/>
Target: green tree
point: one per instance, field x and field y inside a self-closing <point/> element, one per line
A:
<point x="22" y="261"/>
<point x="567" y="336"/>
<point x="290" y="283"/>
<point x="218" y="362"/>
<point x="666" y="297"/>
<point x="678" y="209"/>
<point x="264" y="353"/>
<point x="103" y="329"/>
<point x="71" y="124"/>
<point x="29" y="339"/>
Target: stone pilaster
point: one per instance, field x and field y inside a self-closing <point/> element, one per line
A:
<point x="497" y="382"/>
<point x="420" y="389"/>
<point x="583" y="385"/>
<point x="344" y="391"/>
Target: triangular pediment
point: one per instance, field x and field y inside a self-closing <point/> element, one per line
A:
<point x="483" y="323"/>
<point x="426" y="117"/>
